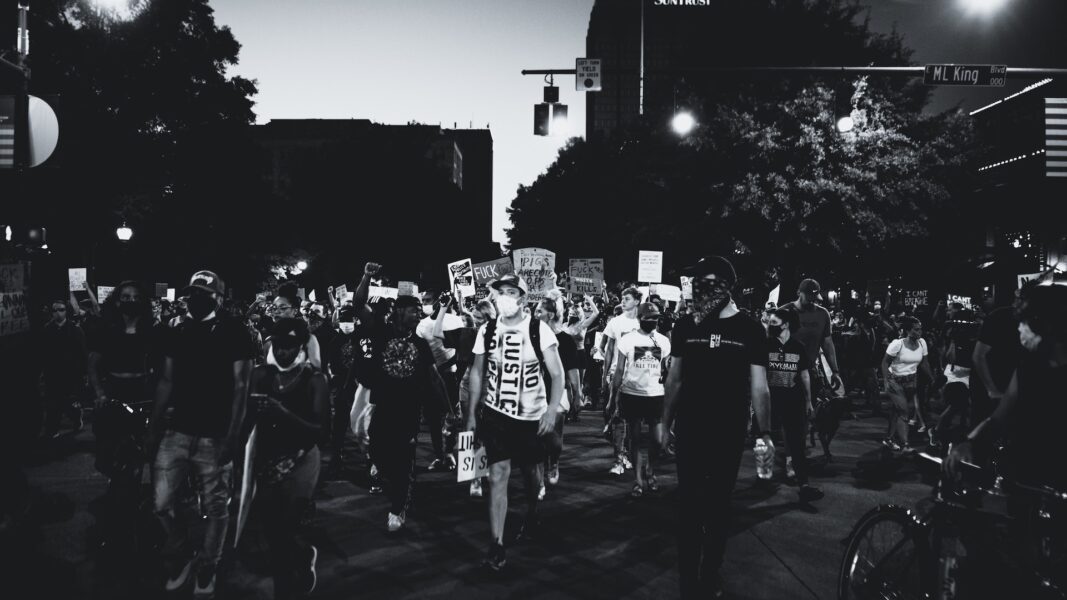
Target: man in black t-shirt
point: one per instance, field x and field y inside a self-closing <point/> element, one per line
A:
<point x="718" y="364"/>
<point x="996" y="355"/>
<point x="205" y="382"/>
<point x="62" y="357"/>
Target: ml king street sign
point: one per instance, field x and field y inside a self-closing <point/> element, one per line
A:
<point x="972" y="75"/>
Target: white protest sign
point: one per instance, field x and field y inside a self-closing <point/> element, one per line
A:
<point x="1025" y="278"/>
<point x="586" y="276"/>
<point x="966" y="301"/>
<point x="485" y="272"/>
<point x="915" y="297"/>
<point x="650" y="266"/>
<point x="377" y="291"/>
<point x="340" y="291"/>
<point x="170" y="294"/>
<point x="471" y="463"/>
<point x="77" y="277"/>
<point x="161" y="290"/>
<point x="537" y="267"/>
<point x="670" y="293"/>
<point x="103" y="292"/>
<point x="461" y="277"/>
<point x="687" y="287"/>
<point x="772" y="298"/>
<point x="407" y="288"/>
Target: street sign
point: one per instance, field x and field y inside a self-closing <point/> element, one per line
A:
<point x="972" y="75"/>
<point x="587" y="75"/>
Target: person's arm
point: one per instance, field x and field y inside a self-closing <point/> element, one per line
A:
<point x="359" y="297"/>
<point x="159" y="407"/>
<point x="830" y="352"/>
<point x="92" y="298"/>
<point x="555" y="394"/>
<point x="439" y="322"/>
<point x="981" y="366"/>
<point x="608" y="345"/>
<point x="886" y="361"/>
<point x="591" y="318"/>
<point x="241" y="371"/>
<point x="671" y="388"/>
<point x="314" y="352"/>
<point x="477" y="375"/>
<point x="805" y="382"/>
<point x="987" y="431"/>
<point x="74" y="307"/>
<point x="761" y="397"/>
<point x="616" y="380"/>
<point x="320" y="398"/>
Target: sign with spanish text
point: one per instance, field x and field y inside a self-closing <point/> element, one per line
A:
<point x="461" y="277"/>
<point x="485" y="272"/>
<point x="537" y="267"/>
<point x="586" y="276"/>
<point x="76" y="279"/>
<point x="650" y="266"/>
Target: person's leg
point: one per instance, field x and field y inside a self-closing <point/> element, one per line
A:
<point x="794" y="419"/>
<point x="53" y="406"/>
<point x="899" y="413"/>
<point x="435" y="420"/>
<point x="294" y="552"/>
<point x="920" y="406"/>
<point x="214" y="480"/>
<point x="499" y="473"/>
<point x="691" y="499"/>
<point x="724" y="461"/>
<point x="533" y="477"/>
<point x="342" y="397"/>
<point x="634" y="426"/>
<point x="169" y="472"/>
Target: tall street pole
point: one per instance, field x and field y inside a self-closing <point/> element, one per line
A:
<point x="22" y="96"/>
<point x="641" y="77"/>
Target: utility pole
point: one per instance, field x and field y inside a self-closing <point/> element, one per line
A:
<point x="22" y="92"/>
<point x="641" y="76"/>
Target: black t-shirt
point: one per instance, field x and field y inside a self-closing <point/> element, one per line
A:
<point x="1037" y="427"/>
<point x="203" y="353"/>
<point x="123" y="352"/>
<point x="716" y="372"/>
<point x="568" y="351"/>
<point x="785" y="362"/>
<point x="396" y="367"/>
<point x="340" y="356"/>
<point x="962" y="335"/>
<point x="1000" y="331"/>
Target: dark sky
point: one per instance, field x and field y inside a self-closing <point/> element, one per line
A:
<point x="459" y="61"/>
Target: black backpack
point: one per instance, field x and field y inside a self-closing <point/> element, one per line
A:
<point x="535" y="340"/>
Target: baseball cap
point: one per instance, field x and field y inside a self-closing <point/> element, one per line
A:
<point x="510" y="279"/>
<point x="289" y="333"/>
<point x="205" y="280"/>
<point x="407" y="302"/>
<point x="647" y="310"/>
<point x="712" y="265"/>
<point x="810" y="286"/>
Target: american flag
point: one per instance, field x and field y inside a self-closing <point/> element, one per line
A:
<point x="1056" y="137"/>
<point x="7" y="146"/>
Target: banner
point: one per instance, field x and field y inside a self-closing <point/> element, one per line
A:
<point x="14" y="317"/>
<point x="408" y="288"/>
<point x="471" y="463"/>
<point x="774" y="296"/>
<point x="377" y="291"/>
<point x="161" y="290"/>
<point x="461" y="277"/>
<point x="670" y="293"/>
<point x="915" y="297"/>
<point x="13" y="277"/>
<point x="76" y="279"/>
<point x="103" y="292"/>
<point x="586" y="276"/>
<point x="484" y="272"/>
<point x="650" y="266"/>
<point x="537" y="267"/>
<point x="687" y="288"/>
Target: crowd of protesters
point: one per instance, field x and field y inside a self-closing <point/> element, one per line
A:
<point x="697" y="380"/>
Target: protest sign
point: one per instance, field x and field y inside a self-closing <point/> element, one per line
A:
<point x="1025" y="278"/>
<point x="348" y="297"/>
<point x="471" y="463"/>
<point x="484" y="272"/>
<point x="687" y="287"/>
<point x="103" y="292"/>
<point x="377" y="291"/>
<point x="13" y="277"/>
<point x="586" y="276"/>
<point x="481" y="291"/>
<point x="774" y="296"/>
<point x="311" y="296"/>
<point x="14" y="317"/>
<point x="966" y="301"/>
<point x="915" y="297"/>
<point x="461" y="277"/>
<point x="170" y="294"/>
<point x="650" y="266"/>
<point x="670" y="293"/>
<point x="537" y="267"/>
<point x="340" y="291"/>
<point x="161" y="291"/>
<point x="76" y="278"/>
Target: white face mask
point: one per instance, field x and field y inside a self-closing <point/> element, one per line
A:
<point x="427" y="309"/>
<point x="1028" y="338"/>
<point x="347" y="328"/>
<point x="300" y="360"/>
<point x="508" y="306"/>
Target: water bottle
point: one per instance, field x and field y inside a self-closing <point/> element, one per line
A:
<point x="764" y="452"/>
<point x="952" y="558"/>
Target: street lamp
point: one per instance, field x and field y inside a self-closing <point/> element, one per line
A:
<point x="982" y="7"/>
<point x="124" y="233"/>
<point x="302" y="265"/>
<point x="683" y="123"/>
<point x="845" y="124"/>
<point x="119" y="10"/>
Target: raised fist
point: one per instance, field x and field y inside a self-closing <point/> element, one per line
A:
<point x="371" y="269"/>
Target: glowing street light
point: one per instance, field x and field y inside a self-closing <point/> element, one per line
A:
<point x="119" y="10"/>
<point x="124" y="233"/>
<point x="302" y="265"/>
<point x="845" y="124"/>
<point x="683" y="123"/>
<point x="982" y="7"/>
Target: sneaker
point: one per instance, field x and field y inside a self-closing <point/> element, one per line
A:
<point x="617" y="468"/>
<point x="450" y="463"/>
<point x="374" y="471"/>
<point x="180" y="574"/>
<point x="376" y="489"/>
<point x="436" y="465"/>
<point x="306" y="576"/>
<point x="497" y="559"/>
<point x="553" y="475"/>
<point x="653" y="485"/>
<point x="626" y="462"/>
<point x="541" y="493"/>
<point x="205" y="581"/>
<point x="921" y="429"/>
<point x="476" y="488"/>
<point x="790" y="472"/>
<point x="395" y="522"/>
<point x="809" y="493"/>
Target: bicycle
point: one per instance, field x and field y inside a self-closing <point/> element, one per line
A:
<point x="936" y="550"/>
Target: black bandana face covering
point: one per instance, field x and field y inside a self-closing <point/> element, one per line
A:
<point x="710" y="297"/>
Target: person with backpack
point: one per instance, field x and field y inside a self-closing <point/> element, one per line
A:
<point x="551" y="310"/>
<point x="519" y="407"/>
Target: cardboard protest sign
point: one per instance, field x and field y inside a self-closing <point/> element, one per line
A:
<point x="14" y="316"/>
<point x="537" y="267"/>
<point x="76" y="278"/>
<point x="161" y="291"/>
<point x="461" y="277"/>
<point x="484" y="272"/>
<point x="471" y="463"/>
<point x="915" y="297"/>
<point x="670" y="293"/>
<point x="650" y="266"/>
<point x="687" y="287"/>
<point x="13" y="277"/>
<point x="103" y="292"/>
<point x="407" y="288"/>
<point x="966" y="301"/>
<point x="586" y="276"/>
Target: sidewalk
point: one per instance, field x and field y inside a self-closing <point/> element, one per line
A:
<point x="600" y="542"/>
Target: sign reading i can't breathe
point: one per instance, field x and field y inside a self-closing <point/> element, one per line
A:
<point x="915" y="297"/>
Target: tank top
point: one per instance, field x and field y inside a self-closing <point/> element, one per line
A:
<point x="278" y="436"/>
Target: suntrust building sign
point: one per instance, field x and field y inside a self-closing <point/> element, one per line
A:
<point x="681" y="2"/>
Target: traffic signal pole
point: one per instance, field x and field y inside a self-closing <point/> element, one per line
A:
<point x="22" y="93"/>
<point x="1012" y="73"/>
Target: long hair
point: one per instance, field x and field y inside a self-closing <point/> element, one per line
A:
<point x="111" y="314"/>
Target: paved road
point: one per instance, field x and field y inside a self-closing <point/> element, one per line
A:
<point x="600" y="542"/>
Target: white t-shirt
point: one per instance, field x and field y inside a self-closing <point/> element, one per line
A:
<point x="905" y="361"/>
<point x="513" y="382"/>
<point x="618" y="327"/>
<point x="441" y="355"/>
<point x="644" y="362"/>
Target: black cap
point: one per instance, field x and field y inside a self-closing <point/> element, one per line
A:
<point x="407" y="302"/>
<point x="717" y="265"/>
<point x="289" y="333"/>
<point x="205" y="280"/>
<point x="510" y="279"/>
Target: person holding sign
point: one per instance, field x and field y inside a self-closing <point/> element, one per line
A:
<point x="638" y="390"/>
<point x="510" y="353"/>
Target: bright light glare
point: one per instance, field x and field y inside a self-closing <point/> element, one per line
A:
<point x="845" y="124"/>
<point x="124" y="233"/>
<point x="560" y="126"/>
<point x="121" y="10"/>
<point x="296" y="271"/>
<point x="683" y="123"/>
<point x="302" y="265"/>
<point x="982" y="7"/>
<point x="7" y="233"/>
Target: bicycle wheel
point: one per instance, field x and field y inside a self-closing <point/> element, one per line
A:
<point x="884" y="558"/>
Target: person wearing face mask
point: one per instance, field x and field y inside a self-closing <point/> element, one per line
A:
<point x="121" y="348"/>
<point x="63" y="359"/>
<point x="580" y="317"/>
<point x="903" y="360"/>
<point x="718" y="368"/>
<point x="638" y="387"/>
<point x="787" y="376"/>
<point x="287" y="305"/>
<point x="816" y="333"/>
<point x="292" y="414"/>
<point x="204" y="381"/>
<point x="445" y="359"/>
<point x="550" y="311"/>
<point x="617" y="327"/>
<point x="340" y="357"/>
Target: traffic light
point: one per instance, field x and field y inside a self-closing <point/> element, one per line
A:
<point x="560" y="125"/>
<point x="551" y="94"/>
<point x="542" y="118"/>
